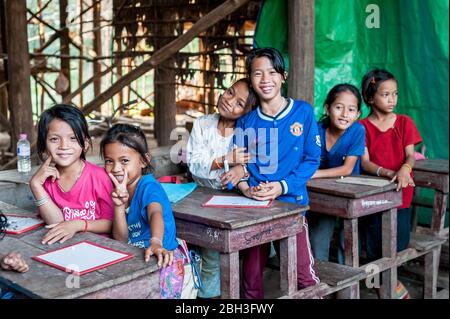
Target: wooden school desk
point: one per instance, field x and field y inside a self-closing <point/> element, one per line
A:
<point x="351" y="201"/>
<point x="433" y="173"/>
<point x="132" y="278"/>
<point x="229" y="230"/>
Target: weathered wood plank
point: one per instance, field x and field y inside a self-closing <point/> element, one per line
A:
<point x="431" y="273"/>
<point x="338" y="275"/>
<point x="203" y="236"/>
<point x="389" y="250"/>
<point x="288" y="263"/>
<point x="351" y="256"/>
<point x="432" y="180"/>
<point x="438" y="213"/>
<point x="43" y="281"/>
<point x="330" y="186"/>
<point x="301" y="15"/>
<point x="335" y="205"/>
<point x="425" y="242"/>
<point x="229" y="275"/>
<point x="432" y="165"/>
<point x="254" y="235"/>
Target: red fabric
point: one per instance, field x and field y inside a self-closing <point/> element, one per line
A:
<point x="387" y="149"/>
<point x="170" y="179"/>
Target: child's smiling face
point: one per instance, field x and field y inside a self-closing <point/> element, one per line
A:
<point x="62" y="144"/>
<point x="343" y="112"/>
<point x="232" y="103"/>
<point x="266" y="81"/>
<point x="120" y="158"/>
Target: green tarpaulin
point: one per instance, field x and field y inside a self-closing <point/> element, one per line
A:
<point x="411" y="42"/>
<point x="407" y="37"/>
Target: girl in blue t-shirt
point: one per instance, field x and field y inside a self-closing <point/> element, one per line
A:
<point x="142" y="213"/>
<point x="342" y="147"/>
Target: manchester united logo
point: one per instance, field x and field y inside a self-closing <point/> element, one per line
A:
<point x="296" y="129"/>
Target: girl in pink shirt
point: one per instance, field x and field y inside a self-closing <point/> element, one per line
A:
<point x="72" y="195"/>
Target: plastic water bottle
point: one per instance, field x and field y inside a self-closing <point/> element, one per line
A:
<point x="23" y="155"/>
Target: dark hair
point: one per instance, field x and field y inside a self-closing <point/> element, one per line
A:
<point x="252" y="99"/>
<point x="3" y="224"/>
<point x="371" y="82"/>
<point x="333" y="94"/>
<point x="131" y="136"/>
<point x="272" y="54"/>
<point x="69" y="114"/>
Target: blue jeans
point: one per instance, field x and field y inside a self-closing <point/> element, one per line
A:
<point x="210" y="273"/>
<point x="371" y="226"/>
<point x="321" y="228"/>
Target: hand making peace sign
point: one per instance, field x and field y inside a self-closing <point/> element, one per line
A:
<point x="120" y="194"/>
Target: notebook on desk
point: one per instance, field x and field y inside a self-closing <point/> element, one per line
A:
<point x="378" y="182"/>
<point x="227" y="201"/>
<point x="82" y="258"/>
<point x="17" y="224"/>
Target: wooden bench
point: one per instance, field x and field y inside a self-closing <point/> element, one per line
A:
<point x="333" y="278"/>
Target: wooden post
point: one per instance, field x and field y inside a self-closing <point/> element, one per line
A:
<point x="97" y="48"/>
<point x="165" y="99"/>
<point x="351" y="256"/>
<point x="3" y="67"/>
<point x="389" y="250"/>
<point x="64" y="43"/>
<point x="431" y="273"/>
<point x="18" y="71"/>
<point x="80" y="62"/>
<point x="229" y="275"/>
<point x="288" y="262"/>
<point x="301" y="49"/>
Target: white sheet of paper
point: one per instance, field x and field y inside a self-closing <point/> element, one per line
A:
<point x="19" y="224"/>
<point x="363" y="181"/>
<point x="82" y="257"/>
<point x="220" y="200"/>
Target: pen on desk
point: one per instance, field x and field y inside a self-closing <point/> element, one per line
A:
<point x="227" y="169"/>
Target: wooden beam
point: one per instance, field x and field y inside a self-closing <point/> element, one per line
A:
<point x="168" y="50"/>
<point x="80" y="62"/>
<point x="301" y="49"/>
<point x="19" y="94"/>
<point x="4" y="122"/>
<point x="165" y="108"/>
<point x="97" y="48"/>
<point x="70" y="96"/>
<point x="4" y="53"/>
<point x="59" y="32"/>
<point x="64" y="44"/>
<point x="41" y="8"/>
